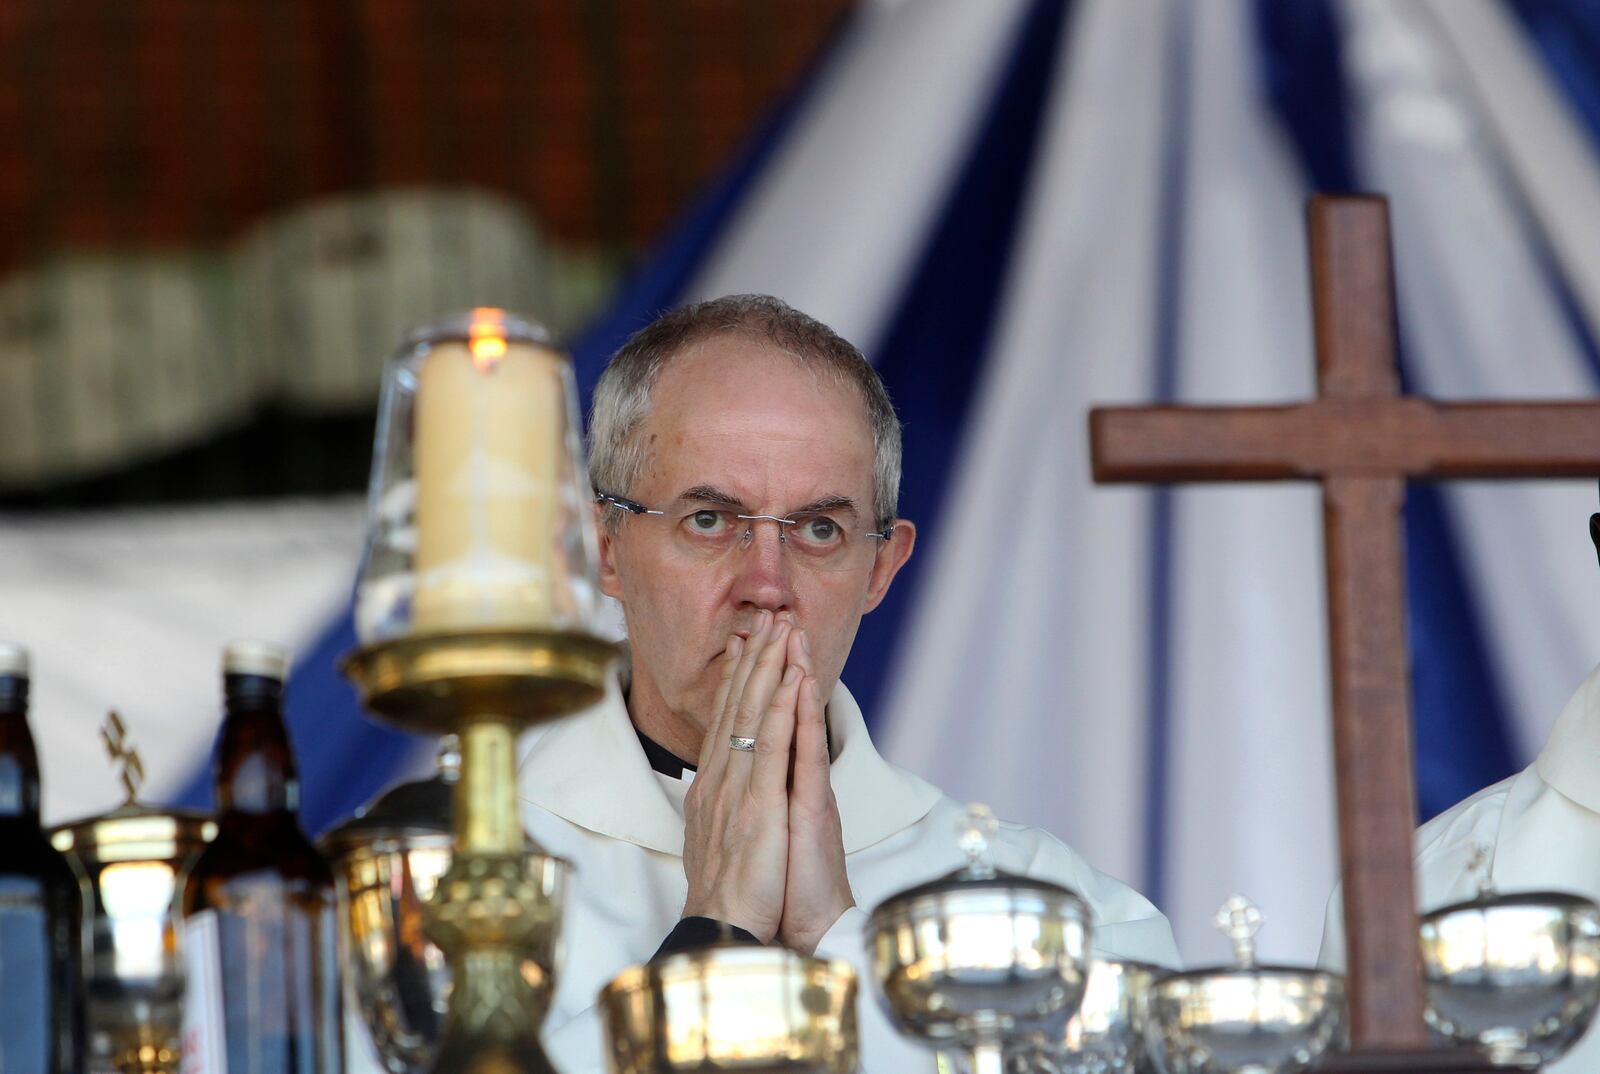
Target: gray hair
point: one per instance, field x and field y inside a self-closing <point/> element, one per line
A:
<point x="622" y="398"/>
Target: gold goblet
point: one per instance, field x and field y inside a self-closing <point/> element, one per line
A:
<point x="730" y="1007"/>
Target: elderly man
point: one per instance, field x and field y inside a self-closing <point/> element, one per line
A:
<point x="747" y="464"/>
<point x="1539" y="830"/>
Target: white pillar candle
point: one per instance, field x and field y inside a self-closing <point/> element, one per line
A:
<point x="490" y="440"/>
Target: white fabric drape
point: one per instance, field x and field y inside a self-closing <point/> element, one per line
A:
<point x="130" y="610"/>
<point x="834" y="224"/>
<point x="1480" y="315"/>
<point x="1022" y="682"/>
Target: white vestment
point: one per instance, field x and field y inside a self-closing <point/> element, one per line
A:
<point x="591" y="797"/>
<point x="1542" y="827"/>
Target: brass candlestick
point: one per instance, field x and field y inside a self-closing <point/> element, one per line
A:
<point x="475" y="607"/>
<point x="496" y="913"/>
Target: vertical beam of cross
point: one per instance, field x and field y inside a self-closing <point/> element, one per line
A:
<point x="1353" y="311"/>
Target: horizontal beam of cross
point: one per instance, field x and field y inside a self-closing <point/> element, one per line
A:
<point x="1355" y="436"/>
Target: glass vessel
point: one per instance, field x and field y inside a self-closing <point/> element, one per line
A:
<point x="41" y="905"/>
<point x="478" y="509"/>
<point x="259" y="906"/>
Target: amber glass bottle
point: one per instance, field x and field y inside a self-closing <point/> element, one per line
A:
<point x="41" y="905"/>
<point x="262" y="992"/>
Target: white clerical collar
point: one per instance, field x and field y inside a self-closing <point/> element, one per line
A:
<point x="591" y="770"/>
<point x="1570" y="760"/>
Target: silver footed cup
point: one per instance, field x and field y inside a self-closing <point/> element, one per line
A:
<point x="980" y="961"/>
<point x="1516" y="976"/>
<point x="1246" y="1018"/>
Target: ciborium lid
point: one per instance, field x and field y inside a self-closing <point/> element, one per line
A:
<point x="975" y="835"/>
<point x="1480" y="867"/>
<point x="134" y="831"/>
<point x="406" y="812"/>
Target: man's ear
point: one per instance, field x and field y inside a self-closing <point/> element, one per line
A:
<point x="891" y="557"/>
<point x="610" y="580"/>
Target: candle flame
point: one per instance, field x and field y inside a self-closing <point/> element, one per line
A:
<point x="487" y="337"/>
<point x="487" y="350"/>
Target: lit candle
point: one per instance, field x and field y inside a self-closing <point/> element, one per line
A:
<point x="490" y="443"/>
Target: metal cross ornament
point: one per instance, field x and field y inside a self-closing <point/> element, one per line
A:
<point x="974" y="831"/>
<point x="114" y="737"/>
<point x="1239" y="920"/>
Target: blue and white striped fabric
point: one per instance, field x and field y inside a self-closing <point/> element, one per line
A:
<point x="1023" y="208"/>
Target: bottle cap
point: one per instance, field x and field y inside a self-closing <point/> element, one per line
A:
<point x="255" y="658"/>
<point x="13" y="660"/>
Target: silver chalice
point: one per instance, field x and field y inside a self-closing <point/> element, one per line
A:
<point x="1516" y="975"/>
<point x="980" y="961"/>
<point x="1245" y="1018"/>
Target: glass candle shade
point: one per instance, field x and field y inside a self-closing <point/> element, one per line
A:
<point x="479" y="514"/>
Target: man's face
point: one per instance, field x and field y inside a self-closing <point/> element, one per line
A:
<point x="737" y="417"/>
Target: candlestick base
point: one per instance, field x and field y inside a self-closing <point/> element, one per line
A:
<point x="498" y="918"/>
<point x="496" y="912"/>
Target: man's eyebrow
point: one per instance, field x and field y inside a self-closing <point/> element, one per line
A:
<point x="827" y="505"/>
<point x="711" y="494"/>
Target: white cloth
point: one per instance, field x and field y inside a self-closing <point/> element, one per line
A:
<point x="1543" y="830"/>
<point x="591" y="796"/>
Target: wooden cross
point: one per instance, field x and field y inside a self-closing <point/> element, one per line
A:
<point x="1361" y="439"/>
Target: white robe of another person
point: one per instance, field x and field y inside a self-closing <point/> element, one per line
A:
<point x="1542" y="828"/>
<point x="590" y="796"/>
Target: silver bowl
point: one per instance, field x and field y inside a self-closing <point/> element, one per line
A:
<point x="1515" y="975"/>
<point x="978" y="964"/>
<point x="1243" y="1020"/>
<point x="1106" y="1036"/>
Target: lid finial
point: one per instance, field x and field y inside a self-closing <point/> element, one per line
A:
<point x="975" y="831"/>
<point x="114" y="737"/>
<point x="1239" y="920"/>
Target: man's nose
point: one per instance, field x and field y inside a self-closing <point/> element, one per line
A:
<point x="762" y="569"/>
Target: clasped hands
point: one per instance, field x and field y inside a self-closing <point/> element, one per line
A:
<point x="763" y="847"/>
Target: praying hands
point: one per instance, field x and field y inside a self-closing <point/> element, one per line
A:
<point x="763" y="848"/>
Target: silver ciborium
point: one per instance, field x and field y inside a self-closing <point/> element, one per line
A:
<point x="981" y="960"/>
<point x="732" y="1007"/>
<point x="1246" y="1018"/>
<point x="1516" y="975"/>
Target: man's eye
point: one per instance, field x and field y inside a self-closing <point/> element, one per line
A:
<point x="707" y="522"/>
<point x="821" y="531"/>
